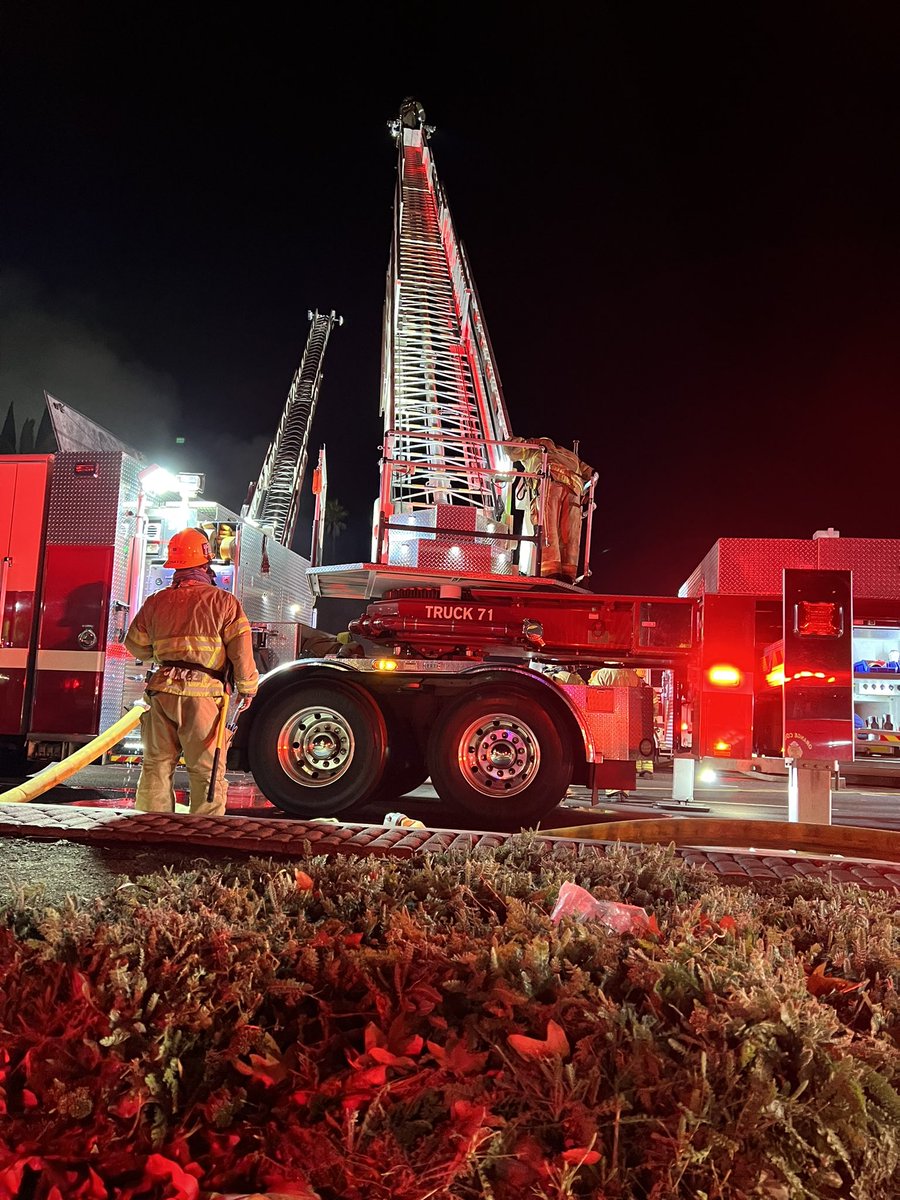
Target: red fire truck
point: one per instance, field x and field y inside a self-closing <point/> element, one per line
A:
<point x="474" y="670"/>
<point x="463" y="644"/>
<point x="780" y="673"/>
<point x="83" y="536"/>
<point x="82" y="542"/>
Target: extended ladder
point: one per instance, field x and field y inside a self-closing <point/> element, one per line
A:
<point x="275" y="499"/>
<point x="442" y="401"/>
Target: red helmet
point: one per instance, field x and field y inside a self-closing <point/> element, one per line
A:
<point x="190" y="548"/>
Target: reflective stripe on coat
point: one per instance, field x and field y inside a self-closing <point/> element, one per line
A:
<point x="194" y="622"/>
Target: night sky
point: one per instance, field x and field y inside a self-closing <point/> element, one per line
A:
<point x="684" y="226"/>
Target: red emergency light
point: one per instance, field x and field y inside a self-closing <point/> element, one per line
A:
<point x="88" y="469"/>
<point x="822" y="619"/>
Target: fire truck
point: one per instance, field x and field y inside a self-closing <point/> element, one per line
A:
<point x="83" y="537"/>
<point x="473" y="668"/>
<point x="798" y="651"/>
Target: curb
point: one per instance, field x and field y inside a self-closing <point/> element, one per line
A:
<point x="272" y="836"/>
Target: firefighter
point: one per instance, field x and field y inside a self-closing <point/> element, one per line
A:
<point x="348" y="646"/>
<point x="616" y="677"/>
<point x="566" y="491"/>
<point x="412" y="113"/>
<point x="316" y="643"/>
<point x="197" y="635"/>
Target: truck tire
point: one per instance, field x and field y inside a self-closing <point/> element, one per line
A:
<point x="404" y="770"/>
<point x="499" y="756"/>
<point x="316" y="751"/>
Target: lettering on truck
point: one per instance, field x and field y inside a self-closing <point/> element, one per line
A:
<point x="458" y="612"/>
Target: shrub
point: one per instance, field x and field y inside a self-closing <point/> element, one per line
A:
<point x="382" y="1028"/>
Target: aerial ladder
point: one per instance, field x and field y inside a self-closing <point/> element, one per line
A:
<point x="441" y="399"/>
<point x="274" y="500"/>
<point x="470" y="680"/>
<point x="446" y="475"/>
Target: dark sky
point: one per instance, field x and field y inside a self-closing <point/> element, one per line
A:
<point x="684" y="223"/>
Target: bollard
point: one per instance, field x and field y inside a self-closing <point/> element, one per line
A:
<point x="809" y="791"/>
<point x="683" y="780"/>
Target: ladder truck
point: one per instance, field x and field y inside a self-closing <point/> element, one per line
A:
<point x="252" y="554"/>
<point x="274" y="500"/>
<point x="83" y="535"/>
<point x="469" y="655"/>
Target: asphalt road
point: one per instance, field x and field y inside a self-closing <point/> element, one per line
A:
<point x="730" y="795"/>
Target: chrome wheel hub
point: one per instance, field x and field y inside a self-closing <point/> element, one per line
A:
<point x="315" y="746"/>
<point x="499" y="755"/>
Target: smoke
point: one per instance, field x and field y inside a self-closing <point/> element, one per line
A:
<point x="57" y="346"/>
<point x="230" y="466"/>
<point x="41" y="348"/>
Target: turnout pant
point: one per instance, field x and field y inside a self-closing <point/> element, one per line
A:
<point x="172" y="726"/>
<point x="562" y="533"/>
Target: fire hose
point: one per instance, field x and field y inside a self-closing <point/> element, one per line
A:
<point x="58" y="772"/>
<point x="850" y="841"/>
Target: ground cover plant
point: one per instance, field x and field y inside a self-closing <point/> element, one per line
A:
<point x="406" y="1029"/>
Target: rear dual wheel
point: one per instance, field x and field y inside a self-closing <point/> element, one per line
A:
<point x="318" y="750"/>
<point x="499" y="755"/>
<point x="404" y="769"/>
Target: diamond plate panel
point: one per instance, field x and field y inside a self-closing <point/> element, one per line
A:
<point x="617" y="731"/>
<point x="749" y="566"/>
<point x="420" y="518"/>
<point x="875" y="563"/>
<point x="282" y="643"/>
<point x="694" y="585"/>
<point x="466" y="557"/>
<point x="502" y="562"/>
<point x="84" y="509"/>
<point x="704" y="577"/>
<point x="754" y="566"/>
<point x="401" y="542"/>
<point x="710" y="567"/>
<point x="402" y="554"/>
<point x="461" y="518"/>
<point x="456" y="524"/>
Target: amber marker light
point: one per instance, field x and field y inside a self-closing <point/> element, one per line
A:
<point x="725" y="675"/>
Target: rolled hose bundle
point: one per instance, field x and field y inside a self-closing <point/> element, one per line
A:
<point x="58" y="772"/>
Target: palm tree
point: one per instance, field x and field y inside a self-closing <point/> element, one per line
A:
<point x="26" y="437"/>
<point x="8" y="443"/>
<point x="335" y="521"/>
<point x="26" y="441"/>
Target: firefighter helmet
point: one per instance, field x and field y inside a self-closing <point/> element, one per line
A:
<point x="190" y="548"/>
